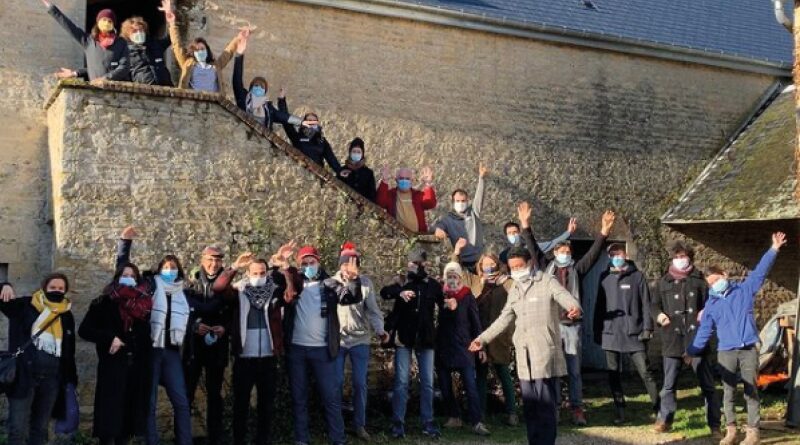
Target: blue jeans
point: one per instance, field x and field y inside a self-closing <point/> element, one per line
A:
<point x="705" y="378"/>
<point x="571" y="343"/>
<point x="452" y="406"/>
<point x="402" y="366"/>
<point x="301" y="360"/>
<point x="359" y="359"/>
<point x="167" y="369"/>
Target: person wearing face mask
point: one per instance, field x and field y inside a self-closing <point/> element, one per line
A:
<point x="570" y="274"/>
<point x="42" y="327"/>
<point x="513" y="235"/>
<point x="308" y="138"/>
<point x="534" y="304"/>
<point x="200" y="71"/>
<point x="355" y="173"/>
<point x="312" y="332"/>
<point x="458" y="324"/>
<point x="490" y="287"/>
<point x="463" y="221"/>
<point x="411" y="326"/>
<point x="254" y="100"/>
<point x="118" y="323"/>
<point x="146" y="57"/>
<point x="729" y="313"/>
<point x="678" y="300"/>
<point x="405" y="203"/>
<point x="106" y="53"/>
<point x="623" y="326"/>
<point x="257" y="339"/>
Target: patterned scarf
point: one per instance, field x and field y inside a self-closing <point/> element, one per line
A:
<point x="134" y="303"/>
<point x="106" y="39"/>
<point x="50" y="340"/>
<point x="260" y="296"/>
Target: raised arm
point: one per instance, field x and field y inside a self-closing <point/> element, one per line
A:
<point x="428" y="192"/>
<point x="175" y="38"/>
<point x="76" y="32"/>
<point x="480" y="190"/>
<point x="124" y="245"/>
<point x="755" y="280"/>
<point x="239" y="92"/>
<point x="585" y="264"/>
<point x="230" y="49"/>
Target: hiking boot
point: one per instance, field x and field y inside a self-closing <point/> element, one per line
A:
<point x="512" y="420"/>
<point x="430" y="430"/>
<point x="578" y="416"/>
<point x="362" y="434"/>
<point x="661" y="426"/>
<point x="751" y="436"/>
<point x="730" y="436"/>
<point x="453" y="422"/>
<point x="398" y="432"/>
<point x="480" y="429"/>
<point x="716" y="434"/>
<point x="619" y="415"/>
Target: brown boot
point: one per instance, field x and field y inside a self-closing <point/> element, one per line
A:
<point x="661" y="426"/>
<point x="730" y="436"/>
<point x="751" y="436"/>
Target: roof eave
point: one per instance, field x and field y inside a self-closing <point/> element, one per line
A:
<point x="554" y="34"/>
<point x="686" y="222"/>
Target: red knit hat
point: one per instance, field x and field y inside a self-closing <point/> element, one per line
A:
<point x="106" y="14"/>
<point x="348" y="251"/>
<point x="307" y="251"/>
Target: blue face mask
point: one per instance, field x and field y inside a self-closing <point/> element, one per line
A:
<point x="258" y="91"/>
<point x="513" y="239"/>
<point x="564" y="259"/>
<point x="720" y="286"/>
<point x="404" y="184"/>
<point x="127" y="281"/>
<point x="356" y="157"/>
<point x="201" y="55"/>
<point x="489" y="270"/>
<point x="618" y="261"/>
<point x="311" y="271"/>
<point x="169" y="275"/>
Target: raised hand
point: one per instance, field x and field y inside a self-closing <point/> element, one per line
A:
<point x="386" y="174"/>
<point x="243" y="260"/>
<point x="282" y="93"/>
<point x="482" y="170"/>
<point x="572" y="225"/>
<point x="427" y="175"/>
<point x="606" y="222"/>
<point x="46" y="4"/>
<point x="129" y="233"/>
<point x="241" y="44"/>
<point x="475" y="346"/>
<point x="524" y="211"/>
<point x="350" y="271"/>
<point x="778" y="240"/>
<point x="169" y="13"/>
<point x="286" y="251"/>
<point x="116" y="345"/>
<point x="7" y="293"/>
<point x="65" y="73"/>
<point x="460" y="245"/>
<point x="439" y="233"/>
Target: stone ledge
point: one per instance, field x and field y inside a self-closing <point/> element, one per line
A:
<point x="276" y="141"/>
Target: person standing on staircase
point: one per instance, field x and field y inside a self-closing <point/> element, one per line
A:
<point x="406" y="204"/>
<point x="309" y="139"/>
<point x="105" y="52"/>
<point x="355" y="173"/>
<point x="729" y="314"/>
<point x="146" y="53"/>
<point x="464" y="221"/>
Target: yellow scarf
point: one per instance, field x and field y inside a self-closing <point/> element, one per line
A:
<point x="50" y="340"/>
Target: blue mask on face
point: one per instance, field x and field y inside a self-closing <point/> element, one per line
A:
<point x="618" y="261"/>
<point x="311" y="271"/>
<point x="513" y="239"/>
<point x="127" y="281"/>
<point x="404" y="184"/>
<point x="564" y="258"/>
<point x="169" y="275"/>
<point x="356" y="157"/>
<point x="720" y="286"/>
<point x="258" y="91"/>
<point x="201" y="55"/>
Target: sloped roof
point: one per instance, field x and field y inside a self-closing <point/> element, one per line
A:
<point x="753" y="178"/>
<point x="742" y="28"/>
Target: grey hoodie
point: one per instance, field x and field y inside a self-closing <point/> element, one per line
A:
<point x="467" y="226"/>
<point x="355" y="320"/>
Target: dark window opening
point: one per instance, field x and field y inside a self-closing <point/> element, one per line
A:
<point x="3" y="272"/>
<point x="123" y="9"/>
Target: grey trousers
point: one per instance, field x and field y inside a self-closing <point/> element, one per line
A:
<point x="736" y="363"/>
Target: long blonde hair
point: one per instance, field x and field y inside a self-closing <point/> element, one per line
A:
<point x="127" y="27"/>
<point x="494" y="257"/>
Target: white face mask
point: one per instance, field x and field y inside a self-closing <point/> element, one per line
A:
<point x="453" y="283"/>
<point x="460" y="206"/>
<point x="258" y="281"/>
<point x="520" y="275"/>
<point x="138" y="37"/>
<point x="680" y="263"/>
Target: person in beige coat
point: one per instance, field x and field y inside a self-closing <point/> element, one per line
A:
<point x="199" y="69"/>
<point x="533" y="311"/>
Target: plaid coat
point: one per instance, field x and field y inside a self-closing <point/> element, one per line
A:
<point x="533" y="312"/>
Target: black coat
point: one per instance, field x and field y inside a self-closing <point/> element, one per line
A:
<point x="21" y="316"/>
<point x="122" y="390"/>
<point x="456" y="331"/>
<point x="622" y="311"/>
<point x="317" y="148"/>
<point x="272" y="115"/>
<point x="412" y="323"/>
<point x="681" y="300"/>
<point x="361" y="180"/>
<point x="213" y="310"/>
<point x="147" y="62"/>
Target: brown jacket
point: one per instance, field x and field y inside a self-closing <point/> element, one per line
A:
<point x="533" y="311"/>
<point x="187" y="61"/>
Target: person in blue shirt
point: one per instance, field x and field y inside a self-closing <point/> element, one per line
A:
<point x="729" y="314"/>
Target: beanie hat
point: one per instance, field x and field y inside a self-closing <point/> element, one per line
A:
<point x="349" y="251"/>
<point x="106" y="14"/>
<point x="307" y="251"/>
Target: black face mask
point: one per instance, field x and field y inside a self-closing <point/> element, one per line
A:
<point x="418" y="275"/>
<point x="311" y="132"/>
<point x="54" y="296"/>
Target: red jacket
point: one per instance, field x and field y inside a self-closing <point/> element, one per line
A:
<point x="422" y="200"/>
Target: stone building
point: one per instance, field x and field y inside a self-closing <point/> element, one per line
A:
<point x="576" y="106"/>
